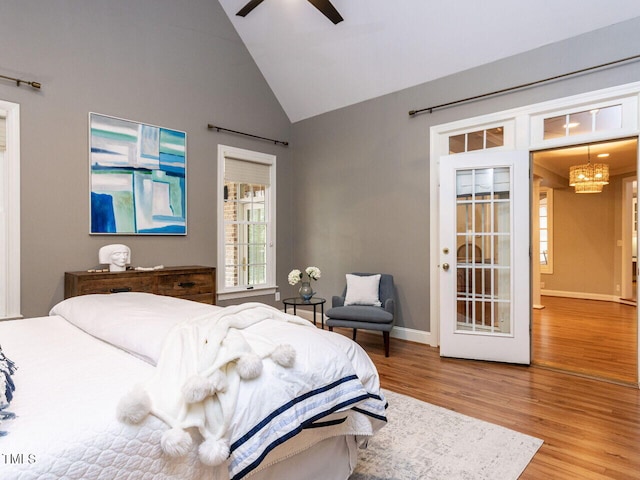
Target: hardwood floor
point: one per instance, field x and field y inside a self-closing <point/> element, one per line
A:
<point x="590" y="428"/>
<point x="588" y="337"/>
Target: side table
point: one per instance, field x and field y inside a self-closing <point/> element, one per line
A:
<point x="314" y="302"/>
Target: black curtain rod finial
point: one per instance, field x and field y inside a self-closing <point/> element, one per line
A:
<point x="36" y="85"/>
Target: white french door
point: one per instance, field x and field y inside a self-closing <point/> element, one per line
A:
<point x="484" y="261"/>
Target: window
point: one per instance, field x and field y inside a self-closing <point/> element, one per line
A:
<point x="477" y="140"/>
<point x="246" y="222"/>
<point x="579" y="123"/>
<point x="546" y="230"/>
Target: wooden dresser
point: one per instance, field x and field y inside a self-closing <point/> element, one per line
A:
<point x="191" y="283"/>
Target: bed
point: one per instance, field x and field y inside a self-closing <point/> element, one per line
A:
<point x="306" y="410"/>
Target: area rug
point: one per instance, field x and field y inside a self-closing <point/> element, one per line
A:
<point x="425" y="442"/>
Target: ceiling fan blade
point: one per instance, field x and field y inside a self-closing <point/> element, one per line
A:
<point x="328" y="10"/>
<point x="244" y="11"/>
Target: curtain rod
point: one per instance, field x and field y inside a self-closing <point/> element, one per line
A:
<point x="18" y="82"/>
<point x="524" y="85"/>
<point x="210" y="127"/>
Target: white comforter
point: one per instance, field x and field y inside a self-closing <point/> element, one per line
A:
<point x="69" y="383"/>
<point x="249" y="416"/>
<point x="67" y="386"/>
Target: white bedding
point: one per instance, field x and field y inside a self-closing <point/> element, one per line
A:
<point x="69" y="383"/>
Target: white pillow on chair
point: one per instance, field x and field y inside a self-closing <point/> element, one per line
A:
<point x="363" y="290"/>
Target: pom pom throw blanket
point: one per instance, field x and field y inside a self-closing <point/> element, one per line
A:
<point x="7" y="387"/>
<point x="236" y="378"/>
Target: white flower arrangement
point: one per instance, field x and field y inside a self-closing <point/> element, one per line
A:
<point x="296" y="275"/>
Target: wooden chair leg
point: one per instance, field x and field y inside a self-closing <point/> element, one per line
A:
<point x="385" y="336"/>
<point x="354" y="334"/>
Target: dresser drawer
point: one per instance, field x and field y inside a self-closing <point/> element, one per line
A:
<point x="116" y="284"/>
<point x="186" y="284"/>
<point x="200" y="297"/>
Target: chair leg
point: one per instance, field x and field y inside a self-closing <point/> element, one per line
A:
<point x="385" y="336"/>
<point x="330" y="328"/>
<point x="354" y="334"/>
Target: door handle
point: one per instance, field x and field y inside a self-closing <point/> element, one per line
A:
<point x="445" y="266"/>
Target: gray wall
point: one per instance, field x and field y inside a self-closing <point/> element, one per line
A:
<point x="174" y="64"/>
<point x="584" y="241"/>
<point x="352" y="187"/>
<point x="362" y="172"/>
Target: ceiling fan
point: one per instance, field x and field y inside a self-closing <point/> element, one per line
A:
<point x="324" y="6"/>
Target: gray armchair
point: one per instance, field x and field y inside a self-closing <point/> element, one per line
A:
<point x="367" y="317"/>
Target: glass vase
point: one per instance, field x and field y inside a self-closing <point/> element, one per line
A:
<point x="306" y="292"/>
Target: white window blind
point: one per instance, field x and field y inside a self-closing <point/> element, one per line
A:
<point x="242" y="171"/>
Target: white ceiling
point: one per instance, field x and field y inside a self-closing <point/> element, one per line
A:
<point x="382" y="46"/>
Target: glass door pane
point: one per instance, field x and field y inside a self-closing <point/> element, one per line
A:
<point x="483" y="240"/>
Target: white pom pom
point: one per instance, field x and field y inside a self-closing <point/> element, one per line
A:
<point x="219" y="381"/>
<point x="249" y="366"/>
<point x="176" y="442"/>
<point x="213" y="452"/>
<point x="134" y="407"/>
<point x="284" y="355"/>
<point x="197" y="388"/>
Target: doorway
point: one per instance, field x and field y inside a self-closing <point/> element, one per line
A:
<point x="598" y="116"/>
<point x="584" y="320"/>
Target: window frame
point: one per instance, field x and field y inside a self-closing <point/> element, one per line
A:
<point x="245" y="290"/>
<point x="548" y="268"/>
<point x="508" y="137"/>
<point x="628" y="127"/>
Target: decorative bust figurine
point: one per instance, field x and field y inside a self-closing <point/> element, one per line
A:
<point x="118" y="256"/>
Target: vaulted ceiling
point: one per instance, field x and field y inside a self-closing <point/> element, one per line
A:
<point x="382" y="46"/>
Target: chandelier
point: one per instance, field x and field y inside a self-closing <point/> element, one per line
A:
<point x="589" y="177"/>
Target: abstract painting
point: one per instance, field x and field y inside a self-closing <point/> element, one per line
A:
<point x="138" y="178"/>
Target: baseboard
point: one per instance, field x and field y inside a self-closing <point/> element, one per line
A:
<point x="401" y="333"/>
<point x="412" y="335"/>
<point x="580" y="295"/>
